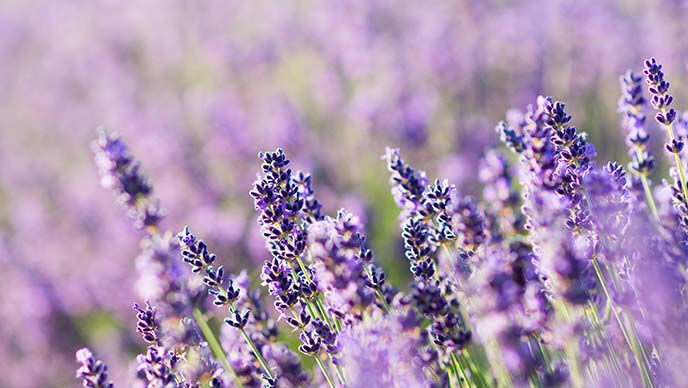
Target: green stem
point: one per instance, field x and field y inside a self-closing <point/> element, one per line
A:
<point x="378" y="292"/>
<point x="603" y="337"/>
<point x="340" y="376"/>
<point x="457" y="369"/>
<point x="324" y="370"/>
<point x="476" y="374"/>
<point x="638" y="358"/>
<point x="545" y="355"/>
<point x="677" y="158"/>
<point x="215" y="345"/>
<point x="318" y="300"/>
<point x="645" y="375"/>
<point x="650" y="198"/>
<point x="256" y="352"/>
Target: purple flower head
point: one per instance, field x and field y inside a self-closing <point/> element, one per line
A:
<point x="279" y="198"/>
<point x="226" y="293"/>
<point x="276" y="275"/>
<point x="147" y="323"/>
<point x="121" y="173"/>
<point x="470" y="223"/>
<point x="498" y="192"/>
<point x="561" y="259"/>
<point x="419" y="250"/>
<point x="336" y="246"/>
<point x="312" y="208"/>
<point x="93" y="373"/>
<point x="611" y="202"/>
<point x="382" y="351"/>
<point x="157" y="366"/>
<point x="539" y="155"/>
<point x="287" y="365"/>
<point x="659" y="89"/>
<point x="408" y="184"/>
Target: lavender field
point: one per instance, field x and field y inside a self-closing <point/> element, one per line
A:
<point x="364" y="193"/>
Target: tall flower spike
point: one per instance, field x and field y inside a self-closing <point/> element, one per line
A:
<point x="632" y="105"/>
<point x="497" y="176"/>
<point x="158" y="366"/>
<point x="195" y="253"/>
<point x="661" y="101"/>
<point x="335" y="247"/>
<point x="408" y="184"/>
<point x="93" y="373"/>
<point x="147" y="323"/>
<point x="122" y="174"/>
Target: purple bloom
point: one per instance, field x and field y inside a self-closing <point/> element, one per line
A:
<point x="408" y="184"/>
<point x="498" y="192"/>
<point x="121" y="173"/>
<point x="337" y="247"/>
<point x="382" y="351"/>
<point x="632" y="105"/>
<point x="93" y="372"/>
<point x="147" y="323"/>
<point x="562" y="260"/>
<point x="158" y="366"/>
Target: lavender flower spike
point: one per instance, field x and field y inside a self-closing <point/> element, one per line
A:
<point x="661" y="101"/>
<point x="93" y="373"/>
<point x="632" y="104"/>
<point x="122" y="174"/>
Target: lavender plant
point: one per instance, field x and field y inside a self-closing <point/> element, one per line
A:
<point x="560" y="275"/>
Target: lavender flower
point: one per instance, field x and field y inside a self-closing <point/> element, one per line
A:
<point x="632" y="104"/>
<point x="147" y="323"/>
<point x="382" y="352"/>
<point x="93" y="372"/>
<point x="196" y="254"/>
<point x="661" y="100"/>
<point x="336" y="246"/>
<point x="498" y="192"/>
<point x="611" y="203"/>
<point x="470" y="223"/>
<point x="563" y="261"/>
<point x="120" y="173"/>
<point x="157" y="366"/>
<point x="408" y="184"/>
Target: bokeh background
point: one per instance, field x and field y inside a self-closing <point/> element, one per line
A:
<point x="197" y="88"/>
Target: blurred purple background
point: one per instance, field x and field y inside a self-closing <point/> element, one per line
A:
<point x="197" y="88"/>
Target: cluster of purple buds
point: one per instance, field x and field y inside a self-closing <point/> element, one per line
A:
<point x="277" y="197"/>
<point x="92" y="372"/>
<point x="408" y="184"/>
<point x="419" y="252"/>
<point x="610" y="201"/>
<point x="312" y="208"/>
<point x="287" y="207"/>
<point x="147" y="323"/>
<point x="121" y="173"/>
<point x="661" y="99"/>
<point x="341" y="261"/>
<point x="157" y="366"/>
<point x="573" y="151"/>
<point x="276" y="275"/>
<point x="632" y="104"/>
<point x="498" y="192"/>
<point x="195" y="253"/>
<point x="539" y="154"/>
<point x="470" y="224"/>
